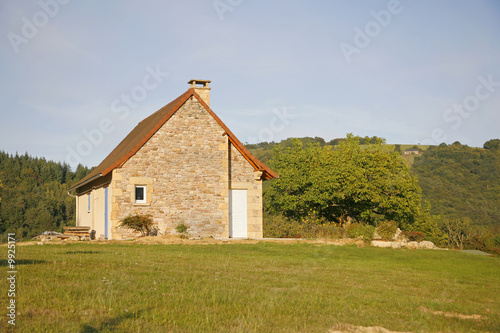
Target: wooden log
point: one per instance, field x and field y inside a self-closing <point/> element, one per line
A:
<point x="76" y="228"/>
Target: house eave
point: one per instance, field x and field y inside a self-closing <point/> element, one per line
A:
<point x="84" y="183"/>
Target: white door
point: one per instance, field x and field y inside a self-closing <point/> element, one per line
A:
<point x="238" y="213"/>
<point x="98" y="213"/>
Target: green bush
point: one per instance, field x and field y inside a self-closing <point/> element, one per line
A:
<point x="477" y="242"/>
<point x="355" y="230"/>
<point x="428" y="225"/>
<point x="325" y="230"/>
<point x="182" y="230"/>
<point x="387" y="229"/>
<point x="496" y="240"/>
<point x="139" y="223"/>
<point x="483" y="239"/>
<point x="314" y="226"/>
<point x="278" y="226"/>
<point x="464" y="234"/>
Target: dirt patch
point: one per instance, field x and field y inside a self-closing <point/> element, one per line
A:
<point x="345" y="328"/>
<point x="451" y="314"/>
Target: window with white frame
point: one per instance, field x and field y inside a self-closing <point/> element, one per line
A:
<point x="140" y="193"/>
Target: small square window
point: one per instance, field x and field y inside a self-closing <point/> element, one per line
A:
<point x="140" y="194"/>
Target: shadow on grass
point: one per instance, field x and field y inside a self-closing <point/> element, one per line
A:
<point x="109" y="324"/>
<point x="5" y="262"/>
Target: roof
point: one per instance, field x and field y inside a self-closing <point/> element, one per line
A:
<point x="149" y="126"/>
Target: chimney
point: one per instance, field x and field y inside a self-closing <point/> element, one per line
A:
<point x="201" y="87"/>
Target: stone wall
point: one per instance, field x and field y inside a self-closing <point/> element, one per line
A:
<point x="186" y="171"/>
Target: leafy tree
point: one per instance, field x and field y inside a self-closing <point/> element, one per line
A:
<point x="493" y="144"/>
<point x="350" y="182"/>
<point x="335" y="142"/>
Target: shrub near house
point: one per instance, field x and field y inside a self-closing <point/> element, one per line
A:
<point x="140" y="223"/>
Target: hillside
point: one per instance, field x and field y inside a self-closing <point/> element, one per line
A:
<point x="33" y="195"/>
<point x="460" y="181"/>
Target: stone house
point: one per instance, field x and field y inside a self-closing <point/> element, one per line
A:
<point x="181" y="165"/>
<point x="412" y="151"/>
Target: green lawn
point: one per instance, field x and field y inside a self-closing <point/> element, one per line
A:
<point x="265" y="287"/>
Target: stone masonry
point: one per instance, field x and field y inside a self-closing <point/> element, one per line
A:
<point x="188" y="167"/>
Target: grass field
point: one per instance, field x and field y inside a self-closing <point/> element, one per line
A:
<point x="264" y="287"/>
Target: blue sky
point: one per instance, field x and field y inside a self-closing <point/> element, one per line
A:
<point x="77" y="76"/>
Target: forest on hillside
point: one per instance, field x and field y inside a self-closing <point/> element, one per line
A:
<point x="33" y="194"/>
<point x="460" y="181"/>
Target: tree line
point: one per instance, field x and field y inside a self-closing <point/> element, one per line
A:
<point x="33" y="194"/>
